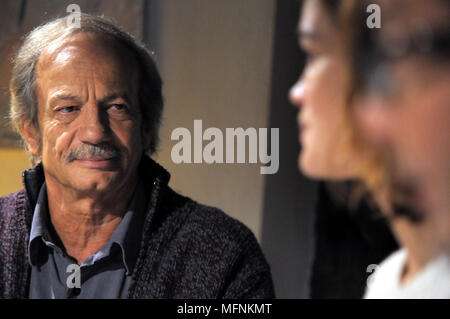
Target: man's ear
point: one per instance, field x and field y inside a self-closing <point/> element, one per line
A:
<point x="32" y="137"/>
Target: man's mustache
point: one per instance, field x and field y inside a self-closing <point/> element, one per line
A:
<point x="88" y="151"/>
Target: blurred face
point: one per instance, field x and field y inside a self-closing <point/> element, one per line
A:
<point x="321" y="95"/>
<point x="413" y="119"/>
<point x="89" y="118"/>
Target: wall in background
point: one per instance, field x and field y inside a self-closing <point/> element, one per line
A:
<point x="215" y="59"/>
<point x="290" y="198"/>
<point x="12" y="163"/>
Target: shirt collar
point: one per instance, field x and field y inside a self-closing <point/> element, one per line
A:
<point x="129" y="232"/>
<point x="127" y="235"/>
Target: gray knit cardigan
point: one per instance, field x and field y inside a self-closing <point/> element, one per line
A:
<point x="187" y="250"/>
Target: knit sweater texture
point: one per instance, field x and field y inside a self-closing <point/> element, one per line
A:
<point x="187" y="250"/>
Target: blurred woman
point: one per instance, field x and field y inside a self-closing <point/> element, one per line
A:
<point x="331" y="148"/>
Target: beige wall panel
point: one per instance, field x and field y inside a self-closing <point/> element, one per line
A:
<point x="215" y="59"/>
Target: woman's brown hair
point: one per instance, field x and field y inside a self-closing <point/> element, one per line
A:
<point x="372" y="170"/>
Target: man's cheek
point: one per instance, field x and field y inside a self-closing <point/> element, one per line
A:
<point x="129" y="136"/>
<point x="61" y="145"/>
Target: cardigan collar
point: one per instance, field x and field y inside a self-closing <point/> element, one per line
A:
<point x="33" y="179"/>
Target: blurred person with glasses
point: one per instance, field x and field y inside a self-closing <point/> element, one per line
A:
<point x="402" y="107"/>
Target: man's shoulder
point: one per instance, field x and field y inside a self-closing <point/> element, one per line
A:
<point x="12" y="217"/>
<point x="204" y="247"/>
<point x="214" y="222"/>
<point x="211" y="224"/>
<point x="9" y="204"/>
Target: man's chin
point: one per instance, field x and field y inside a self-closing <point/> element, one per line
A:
<point x="96" y="181"/>
<point x="93" y="189"/>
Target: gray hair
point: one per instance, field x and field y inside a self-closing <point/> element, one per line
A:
<point x="24" y="105"/>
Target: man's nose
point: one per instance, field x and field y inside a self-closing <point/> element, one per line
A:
<point x="94" y="126"/>
<point x="297" y="93"/>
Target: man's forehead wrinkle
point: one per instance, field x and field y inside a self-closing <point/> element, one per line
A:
<point x="72" y="67"/>
<point x="61" y="80"/>
<point x="97" y="47"/>
<point x="82" y="57"/>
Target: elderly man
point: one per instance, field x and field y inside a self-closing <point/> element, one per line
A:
<point x="87" y="102"/>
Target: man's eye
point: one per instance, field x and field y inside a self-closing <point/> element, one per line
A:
<point x="117" y="107"/>
<point x="67" y="109"/>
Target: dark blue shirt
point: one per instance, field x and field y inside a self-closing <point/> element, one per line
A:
<point x="105" y="274"/>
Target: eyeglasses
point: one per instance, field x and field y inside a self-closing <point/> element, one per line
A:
<point x="382" y="51"/>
